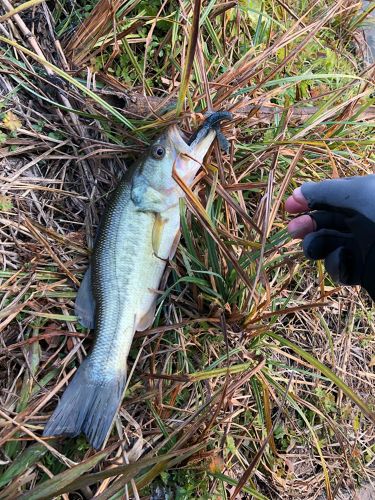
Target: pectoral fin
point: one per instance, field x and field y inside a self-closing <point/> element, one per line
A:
<point x="85" y="302"/>
<point x="157" y="233"/>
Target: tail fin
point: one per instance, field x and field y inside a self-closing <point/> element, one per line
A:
<point x="88" y="405"/>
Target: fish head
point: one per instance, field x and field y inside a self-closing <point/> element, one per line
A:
<point x="154" y="187"/>
<point x="171" y="153"/>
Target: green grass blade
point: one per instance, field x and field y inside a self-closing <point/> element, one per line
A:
<point x="327" y="372"/>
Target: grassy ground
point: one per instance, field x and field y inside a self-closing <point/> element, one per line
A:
<point x="257" y="378"/>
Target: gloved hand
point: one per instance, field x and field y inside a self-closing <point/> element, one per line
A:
<point x="340" y="228"/>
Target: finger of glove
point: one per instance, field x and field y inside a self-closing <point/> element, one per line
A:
<point x="368" y="276"/>
<point x="319" y="244"/>
<point x="363" y="230"/>
<point x="352" y="194"/>
<point x="325" y="219"/>
<point x="344" y="267"/>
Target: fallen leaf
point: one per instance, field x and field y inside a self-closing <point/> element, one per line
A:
<point x="11" y="122"/>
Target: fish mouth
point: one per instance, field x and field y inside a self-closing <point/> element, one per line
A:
<point x="189" y="154"/>
<point x="188" y="158"/>
<point x="197" y="149"/>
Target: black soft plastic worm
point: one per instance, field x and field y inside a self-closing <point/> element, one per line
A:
<point x="213" y="121"/>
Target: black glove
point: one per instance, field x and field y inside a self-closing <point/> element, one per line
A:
<point x="345" y="229"/>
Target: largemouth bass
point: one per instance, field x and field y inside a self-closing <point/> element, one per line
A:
<point x="138" y="234"/>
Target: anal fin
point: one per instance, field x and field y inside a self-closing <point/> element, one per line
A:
<point x="147" y="319"/>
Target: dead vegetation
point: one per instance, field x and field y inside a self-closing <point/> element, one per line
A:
<point x="256" y="380"/>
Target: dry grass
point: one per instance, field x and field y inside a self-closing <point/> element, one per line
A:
<point x="257" y="378"/>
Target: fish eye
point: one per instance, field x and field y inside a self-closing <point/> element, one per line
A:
<point x="158" y="152"/>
